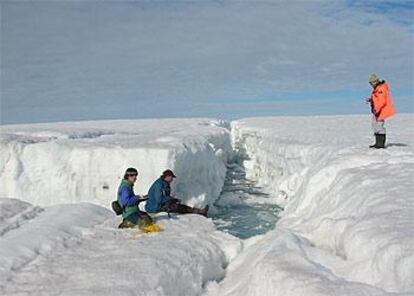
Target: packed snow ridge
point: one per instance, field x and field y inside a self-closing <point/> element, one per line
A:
<point x="346" y="229"/>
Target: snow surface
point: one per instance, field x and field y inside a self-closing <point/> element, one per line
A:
<point x="47" y="164"/>
<point x="77" y="250"/>
<point x="346" y="229"/>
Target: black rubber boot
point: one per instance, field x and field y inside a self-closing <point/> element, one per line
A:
<point x="376" y="141"/>
<point x="182" y="209"/>
<point x="381" y="141"/>
<point x="126" y="224"/>
<point x="203" y="211"/>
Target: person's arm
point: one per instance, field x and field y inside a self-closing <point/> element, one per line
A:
<point x="128" y="199"/>
<point x="166" y="197"/>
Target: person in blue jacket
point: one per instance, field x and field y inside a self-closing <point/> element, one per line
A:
<point x="160" y="199"/>
<point x="129" y="202"/>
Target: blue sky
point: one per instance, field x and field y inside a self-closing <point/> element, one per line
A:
<point x="105" y="60"/>
<point x="401" y="11"/>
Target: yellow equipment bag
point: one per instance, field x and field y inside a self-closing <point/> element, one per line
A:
<point x="151" y="228"/>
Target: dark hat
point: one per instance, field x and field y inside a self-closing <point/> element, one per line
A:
<point x="168" y="173"/>
<point x="130" y="172"/>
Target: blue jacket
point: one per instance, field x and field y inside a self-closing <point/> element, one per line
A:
<point x="127" y="198"/>
<point x="158" y="195"/>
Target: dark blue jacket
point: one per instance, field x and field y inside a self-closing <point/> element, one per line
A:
<point x="158" y="195"/>
<point x="127" y="198"/>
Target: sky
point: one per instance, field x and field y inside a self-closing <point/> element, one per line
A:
<point x="86" y="60"/>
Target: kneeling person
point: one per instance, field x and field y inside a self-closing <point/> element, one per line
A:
<point x="160" y="199"/>
<point x="129" y="202"/>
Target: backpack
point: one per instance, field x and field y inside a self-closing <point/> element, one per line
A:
<point x="116" y="207"/>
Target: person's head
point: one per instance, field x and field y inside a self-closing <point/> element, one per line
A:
<point x="168" y="176"/>
<point x="374" y="80"/>
<point x="131" y="175"/>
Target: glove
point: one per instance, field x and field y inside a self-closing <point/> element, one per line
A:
<point x="141" y="199"/>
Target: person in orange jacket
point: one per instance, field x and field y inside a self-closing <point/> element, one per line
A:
<point x="382" y="108"/>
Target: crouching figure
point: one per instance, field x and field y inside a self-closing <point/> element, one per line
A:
<point x="160" y="199"/>
<point x="129" y="202"/>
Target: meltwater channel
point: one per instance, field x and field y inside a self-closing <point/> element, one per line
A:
<point x="242" y="208"/>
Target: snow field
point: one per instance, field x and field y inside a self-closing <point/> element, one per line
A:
<point x="346" y="229"/>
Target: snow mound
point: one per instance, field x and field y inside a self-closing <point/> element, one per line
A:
<point x="347" y="228"/>
<point x="77" y="250"/>
<point x="47" y="164"/>
<point x="30" y="232"/>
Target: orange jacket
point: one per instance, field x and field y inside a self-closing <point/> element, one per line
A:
<point x="383" y="107"/>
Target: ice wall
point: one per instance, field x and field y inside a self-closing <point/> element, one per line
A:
<point x="347" y="228"/>
<point x="56" y="163"/>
